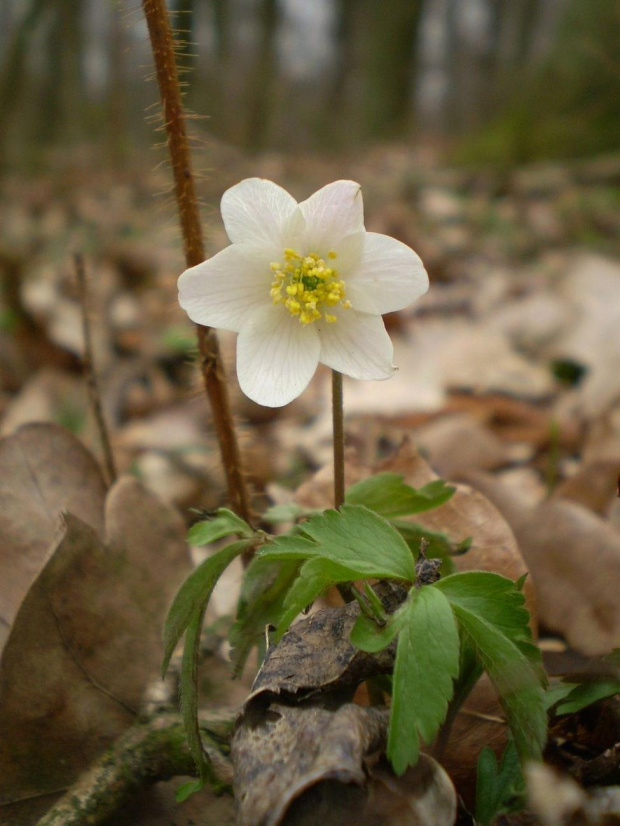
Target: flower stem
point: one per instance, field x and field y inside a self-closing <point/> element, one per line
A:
<point x="213" y="373"/>
<point x="338" y="427"/>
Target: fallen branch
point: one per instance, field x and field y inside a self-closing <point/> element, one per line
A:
<point x="147" y="753"/>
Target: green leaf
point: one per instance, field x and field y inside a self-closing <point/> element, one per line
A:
<point x="354" y="537"/>
<point x="497" y="786"/>
<point x="189" y="696"/>
<point x="439" y="544"/>
<point x="490" y="612"/>
<point x="315" y="576"/>
<point x="388" y="495"/>
<point x="427" y="662"/>
<point x="289" y="512"/>
<point x="188" y="789"/>
<point x="224" y="523"/>
<point x="500" y="602"/>
<point x="585" y="694"/>
<point x="194" y="594"/>
<point x="264" y="588"/>
<point x="557" y="692"/>
<point x="368" y="636"/>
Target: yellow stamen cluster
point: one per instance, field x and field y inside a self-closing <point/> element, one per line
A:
<point x="306" y="286"/>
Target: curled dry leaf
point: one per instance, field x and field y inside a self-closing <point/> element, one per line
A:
<point x="315" y="655"/>
<point x="43" y="470"/>
<point x="424" y="794"/>
<point x="287" y="750"/>
<point x="85" y="642"/>
<point x="574" y="558"/>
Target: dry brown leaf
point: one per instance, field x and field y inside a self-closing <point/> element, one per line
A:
<point x="86" y="641"/>
<point x="574" y="559"/>
<point x="43" y="470"/>
<point x="457" y="443"/>
<point x="479" y="722"/>
<point x="424" y="794"/>
<point x="283" y="751"/>
<point x="594" y="486"/>
<point x="315" y="655"/>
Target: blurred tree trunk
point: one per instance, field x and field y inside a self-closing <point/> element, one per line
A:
<point x="387" y="39"/>
<point x="260" y="92"/>
<point x="63" y="98"/>
<point x="221" y="26"/>
<point x="13" y="70"/>
<point x="117" y="103"/>
<point x="343" y="48"/>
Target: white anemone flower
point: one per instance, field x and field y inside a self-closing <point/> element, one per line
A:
<point x="302" y="284"/>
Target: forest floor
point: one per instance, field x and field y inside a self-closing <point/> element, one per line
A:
<point x="509" y="381"/>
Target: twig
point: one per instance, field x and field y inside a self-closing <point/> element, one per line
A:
<point x="338" y="427"/>
<point x="147" y="753"/>
<point x="213" y="372"/>
<point x="90" y="373"/>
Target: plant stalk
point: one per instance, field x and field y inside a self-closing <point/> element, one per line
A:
<point x="88" y="361"/>
<point x="212" y="367"/>
<point x="338" y="428"/>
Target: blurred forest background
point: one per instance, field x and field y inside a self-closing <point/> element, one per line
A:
<point x="500" y="81"/>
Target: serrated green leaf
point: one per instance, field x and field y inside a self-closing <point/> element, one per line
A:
<point x="497" y="785"/>
<point x="388" y="495"/>
<point x="224" y="523"/>
<point x="354" y="537"/>
<point x="194" y="594"/>
<point x="309" y="585"/>
<point x="585" y="694"/>
<point x="288" y="512"/>
<point x="261" y="603"/>
<point x="315" y="576"/>
<point x="439" y="544"/>
<point x="498" y="600"/>
<point x="188" y="789"/>
<point x="556" y="692"/>
<point x="491" y="612"/>
<point x="427" y="662"/>
<point x="517" y="681"/>
<point x="368" y="636"/>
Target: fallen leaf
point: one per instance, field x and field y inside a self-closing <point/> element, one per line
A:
<point x="283" y="751"/>
<point x="43" y="470"/>
<point x="424" y="794"/>
<point x="595" y="486"/>
<point x="574" y="558"/>
<point x="86" y="641"/>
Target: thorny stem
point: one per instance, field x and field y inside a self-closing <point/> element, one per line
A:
<point x="338" y="427"/>
<point x="90" y="373"/>
<point x="213" y="372"/>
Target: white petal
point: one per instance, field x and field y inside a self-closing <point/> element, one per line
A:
<point x="387" y="276"/>
<point x="331" y="213"/>
<point x="357" y="344"/>
<point x="255" y="211"/>
<point x="224" y="290"/>
<point x="276" y="356"/>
